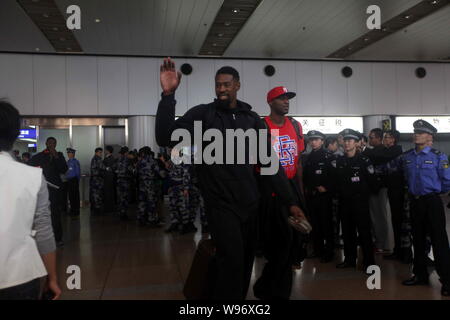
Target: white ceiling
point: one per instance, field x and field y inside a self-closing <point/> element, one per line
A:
<point x="179" y="27"/>
<point x="427" y="39"/>
<point x="275" y="28"/>
<point x="18" y="32"/>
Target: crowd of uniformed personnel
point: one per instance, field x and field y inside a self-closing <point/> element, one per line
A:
<point x="350" y="186"/>
<point x="141" y="177"/>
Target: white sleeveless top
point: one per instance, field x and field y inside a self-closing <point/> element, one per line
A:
<point x="20" y="261"/>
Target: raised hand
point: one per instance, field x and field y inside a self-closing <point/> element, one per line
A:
<point x="169" y="77"/>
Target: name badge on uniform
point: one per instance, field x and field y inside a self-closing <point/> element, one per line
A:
<point x="429" y="161"/>
<point x="318" y="171"/>
<point x="355" y="179"/>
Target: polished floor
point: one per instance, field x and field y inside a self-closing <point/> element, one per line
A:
<point x="120" y="260"/>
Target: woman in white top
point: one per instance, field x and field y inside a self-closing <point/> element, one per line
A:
<point x="27" y="251"/>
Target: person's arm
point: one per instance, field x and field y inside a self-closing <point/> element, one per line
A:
<point x="372" y="178"/>
<point x="44" y="238"/>
<point x="70" y="170"/>
<point x="444" y="172"/>
<point x="78" y="167"/>
<point x="165" y="116"/>
<point x="61" y="163"/>
<point x="299" y="177"/>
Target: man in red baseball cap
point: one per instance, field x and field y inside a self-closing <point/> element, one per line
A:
<point x="280" y="243"/>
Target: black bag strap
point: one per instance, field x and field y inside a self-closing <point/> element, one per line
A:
<point x="296" y="127"/>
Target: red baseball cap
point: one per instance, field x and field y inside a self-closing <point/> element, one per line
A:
<point x="279" y="91"/>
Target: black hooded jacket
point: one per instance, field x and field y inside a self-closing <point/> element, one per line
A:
<point x="228" y="186"/>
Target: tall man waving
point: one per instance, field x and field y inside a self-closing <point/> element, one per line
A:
<point x="230" y="190"/>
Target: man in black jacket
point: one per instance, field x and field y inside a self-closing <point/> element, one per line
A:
<point x="395" y="183"/>
<point x="379" y="155"/>
<point x="53" y="165"/>
<point x="230" y="190"/>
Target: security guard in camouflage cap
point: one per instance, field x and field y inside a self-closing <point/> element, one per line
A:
<point x="355" y="179"/>
<point x="317" y="176"/>
<point x="428" y="174"/>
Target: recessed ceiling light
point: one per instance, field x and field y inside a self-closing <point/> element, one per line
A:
<point x="385" y="29"/>
<point x="98" y="20"/>
<point x="434" y="2"/>
<point x="407" y="16"/>
<point x="366" y="39"/>
<point x="55" y="28"/>
<point x="220" y="34"/>
<point x="214" y="44"/>
<point x="37" y="49"/>
<point x="227" y="23"/>
<point x="45" y="15"/>
<point x="236" y="10"/>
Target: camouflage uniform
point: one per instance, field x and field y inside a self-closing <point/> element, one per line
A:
<point x="96" y="183"/>
<point x="124" y="174"/>
<point x="195" y="199"/>
<point x="148" y="171"/>
<point x="178" y="203"/>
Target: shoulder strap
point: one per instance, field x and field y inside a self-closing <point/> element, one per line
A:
<point x="437" y="152"/>
<point x="296" y="127"/>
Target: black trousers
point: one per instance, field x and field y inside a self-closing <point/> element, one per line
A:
<point x="396" y="202"/>
<point x="64" y="195"/>
<point x="55" y="208"/>
<point x="25" y="291"/>
<point x="356" y="220"/>
<point x="321" y="212"/>
<point x="73" y="189"/>
<point x="235" y="242"/>
<point x="109" y="193"/>
<point x="279" y="245"/>
<point x="428" y="217"/>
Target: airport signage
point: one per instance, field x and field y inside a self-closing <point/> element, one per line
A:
<point x="330" y="125"/>
<point x="27" y="134"/>
<point x="405" y="124"/>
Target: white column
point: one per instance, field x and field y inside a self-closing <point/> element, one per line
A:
<point x="371" y="122"/>
<point x="141" y="132"/>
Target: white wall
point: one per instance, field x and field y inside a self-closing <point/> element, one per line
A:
<point x="111" y="86"/>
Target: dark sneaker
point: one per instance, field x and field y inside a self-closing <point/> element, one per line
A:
<point x="416" y="281"/>
<point x="344" y="265"/>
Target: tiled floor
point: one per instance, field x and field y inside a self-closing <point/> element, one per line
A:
<point x="120" y="260"/>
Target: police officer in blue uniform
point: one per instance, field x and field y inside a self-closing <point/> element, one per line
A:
<point x="317" y="176"/>
<point x="428" y="174"/>
<point x="356" y="179"/>
<point x="73" y="176"/>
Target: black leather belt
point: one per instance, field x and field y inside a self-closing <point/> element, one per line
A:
<point x="425" y="196"/>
